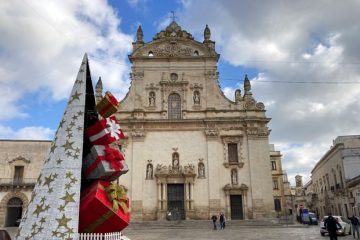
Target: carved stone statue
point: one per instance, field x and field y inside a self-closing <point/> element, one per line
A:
<point x="151" y="99"/>
<point x="139" y="34"/>
<point x="207" y="33"/>
<point x="201" y="170"/>
<point x="196" y="98"/>
<point x="237" y="95"/>
<point x="247" y="85"/>
<point x="234" y="178"/>
<point x="149" y="171"/>
<point x="175" y="160"/>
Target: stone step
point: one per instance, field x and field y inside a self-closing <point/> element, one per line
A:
<point x="203" y="224"/>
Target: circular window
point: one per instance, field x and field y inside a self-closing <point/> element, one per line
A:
<point x="173" y="77"/>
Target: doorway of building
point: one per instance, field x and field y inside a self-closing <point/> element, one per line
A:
<point x="14" y="212"/>
<point x="175" y="197"/>
<point x="236" y="207"/>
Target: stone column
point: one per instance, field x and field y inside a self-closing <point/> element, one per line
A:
<point x="191" y="196"/>
<point x="187" y="196"/>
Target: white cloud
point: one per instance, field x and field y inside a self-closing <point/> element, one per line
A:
<point x="43" y="42"/>
<point x="26" y="133"/>
<point x="292" y="42"/>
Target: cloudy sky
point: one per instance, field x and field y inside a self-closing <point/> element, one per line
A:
<point x="303" y="59"/>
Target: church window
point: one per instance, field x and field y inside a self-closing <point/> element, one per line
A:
<point x="151" y="54"/>
<point x="273" y="165"/>
<point x="174" y="106"/>
<point x="233" y="153"/>
<point x="275" y="184"/>
<point x="18" y="174"/>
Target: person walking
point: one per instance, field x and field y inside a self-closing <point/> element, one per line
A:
<point x="354" y="225"/>
<point x="214" y="219"/>
<point x="332" y="225"/>
<point x="222" y="220"/>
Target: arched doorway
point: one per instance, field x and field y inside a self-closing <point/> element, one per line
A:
<point x="14" y="212"/>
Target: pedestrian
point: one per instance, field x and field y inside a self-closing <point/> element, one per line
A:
<point x="354" y="225"/>
<point x="332" y="225"/>
<point x="222" y="220"/>
<point x="214" y="219"/>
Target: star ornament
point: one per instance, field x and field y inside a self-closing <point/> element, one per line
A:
<point x="68" y="145"/>
<point x="63" y="221"/>
<point x="68" y="198"/>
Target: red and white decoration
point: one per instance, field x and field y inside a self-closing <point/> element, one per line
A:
<point x="105" y="131"/>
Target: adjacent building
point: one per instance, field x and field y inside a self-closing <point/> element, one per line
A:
<point x="20" y="166"/>
<point x="334" y="183"/>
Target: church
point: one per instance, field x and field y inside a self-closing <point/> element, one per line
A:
<point x="190" y="149"/>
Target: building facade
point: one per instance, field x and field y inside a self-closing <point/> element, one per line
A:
<point x="334" y="179"/>
<point x="189" y="148"/>
<point x="20" y="166"/>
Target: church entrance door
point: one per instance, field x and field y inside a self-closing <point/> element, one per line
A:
<point x="175" y="197"/>
<point x="236" y="207"/>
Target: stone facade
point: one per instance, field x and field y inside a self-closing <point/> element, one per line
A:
<point x="181" y="131"/>
<point x="20" y="166"/>
<point x="333" y="185"/>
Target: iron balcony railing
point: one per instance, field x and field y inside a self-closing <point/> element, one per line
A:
<point x="11" y="182"/>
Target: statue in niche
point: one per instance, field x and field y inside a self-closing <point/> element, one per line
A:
<point x="175" y="160"/>
<point x="196" y="97"/>
<point x="201" y="170"/>
<point x="234" y="177"/>
<point x="237" y="95"/>
<point x="151" y="99"/>
<point x="149" y="171"/>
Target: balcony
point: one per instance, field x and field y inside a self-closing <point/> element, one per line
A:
<point x="11" y="182"/>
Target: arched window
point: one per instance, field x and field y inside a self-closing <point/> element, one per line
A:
<point x="14" y="212"/>
<point x="174" y="106"/>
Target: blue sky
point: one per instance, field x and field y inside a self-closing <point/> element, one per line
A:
<point x="302" y="58"/>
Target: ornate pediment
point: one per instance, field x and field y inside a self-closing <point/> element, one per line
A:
<point x="173" y="31"/>
<point x="174" y="171"/>
<point x="19" y="158"/>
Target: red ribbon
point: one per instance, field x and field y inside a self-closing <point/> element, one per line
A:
<point x="113" y="156"/>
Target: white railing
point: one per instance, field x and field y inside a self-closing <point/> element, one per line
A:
<point x="102" y="236"/>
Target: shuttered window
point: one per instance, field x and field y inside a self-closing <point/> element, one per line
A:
<point x="233" y="153"/>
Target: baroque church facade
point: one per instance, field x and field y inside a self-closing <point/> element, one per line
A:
<point x="190" y="149"/>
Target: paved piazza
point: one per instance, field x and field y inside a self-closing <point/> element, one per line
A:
<point x="294" y="232"/>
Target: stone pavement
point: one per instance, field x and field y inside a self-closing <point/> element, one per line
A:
<point x="235" y="230"/>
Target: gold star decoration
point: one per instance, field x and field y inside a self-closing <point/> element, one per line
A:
<point x="80" y="113"/>
<point x="68" y="130"/>
<point x="77" y="150"/>
<point x="34" y="226"/>
<point x="48" y="180"/>
<point x="68" y="186"/>
<point x="68" y="145"/>
<point x="69" y="135"/>
<point x="63" y="221"/>
<point x="73" y="180"/>
<point x="61" y="208"/>
<point x="69" y="174"/>
<point x="72" y="123"/>
<point x="50" y="190"/>
<point x="75" y="117"/>
<point x="58" y="161"/>
<point x="39" y="209"/>
<point x="76" y="95"/>
<point x="68" y="198"/>
<point x="43" y="220"/>
<point x="79" y="128"/>
<point x="62" y="123"/>
<point x="76" y="156"/>
<point x="43" y="199"/>
<point x="53" y="147"/>
<point x="47" y="207"/>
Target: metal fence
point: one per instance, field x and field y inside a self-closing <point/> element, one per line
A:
<point x="102" y="236"/>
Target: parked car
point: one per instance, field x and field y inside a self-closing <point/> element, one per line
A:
<point x="313" y="219"/>
<point x="346" y="227"/>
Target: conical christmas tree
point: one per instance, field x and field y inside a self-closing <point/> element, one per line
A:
<point x="53" y="212"/>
